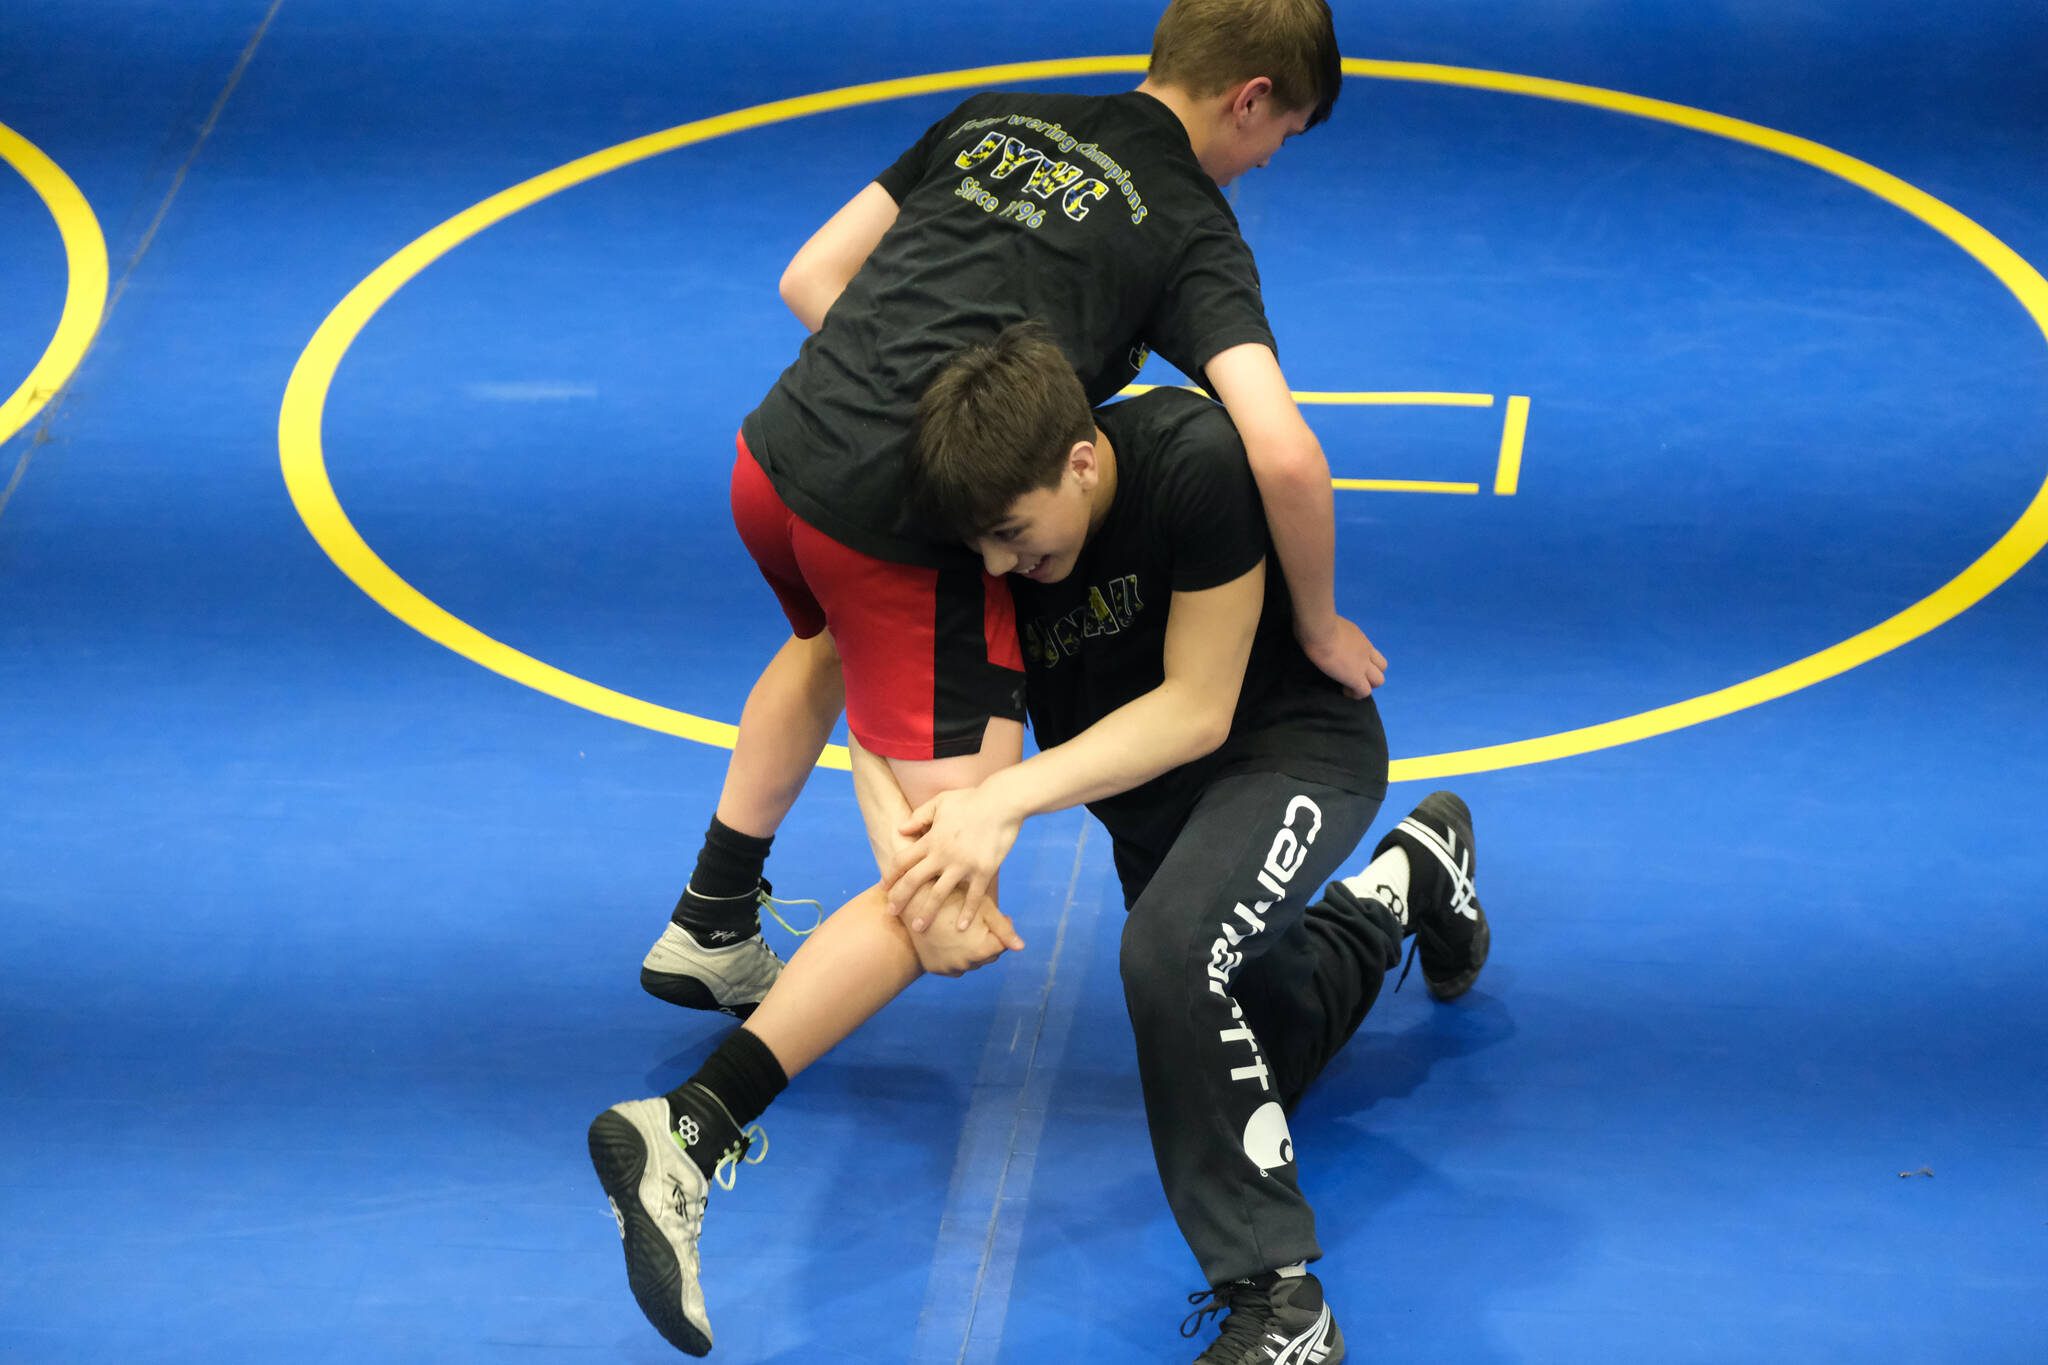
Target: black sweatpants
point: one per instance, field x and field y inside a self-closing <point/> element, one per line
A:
<point x="1239" y="992"/>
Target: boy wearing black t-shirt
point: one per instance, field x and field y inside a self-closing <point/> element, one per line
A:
<point x="1167" y="693"/>
<point x="1103" y="215"/>
<point x="1100" y="215"/>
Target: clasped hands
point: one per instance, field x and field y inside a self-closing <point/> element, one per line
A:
<point x="959" y="841"/>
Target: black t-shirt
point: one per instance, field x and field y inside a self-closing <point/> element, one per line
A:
<point x="1088" y="213"/>
<point x="1186" y="516"/>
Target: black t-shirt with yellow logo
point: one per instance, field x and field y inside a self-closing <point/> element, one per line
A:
<point x="1186" y="517"/>
<point x="1088" y="213"/>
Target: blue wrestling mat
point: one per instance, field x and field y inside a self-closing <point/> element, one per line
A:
<point x="371" y="620"/>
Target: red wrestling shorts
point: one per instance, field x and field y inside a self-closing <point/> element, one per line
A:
<point x="929" y="655"/>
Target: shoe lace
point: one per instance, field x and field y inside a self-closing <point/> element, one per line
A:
<point x="1241" y="1328"/>
<point x="1413" y="944"/>
<point x="727" y="1169"/>
<point x="768" y="902"/>
<point x="1207" y="1302"/>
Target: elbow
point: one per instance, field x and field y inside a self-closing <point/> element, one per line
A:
<point x="791" y="287"/>
<point x="808" y="286"/>
<point x="1207" y="733"/>
<point x="1293" y="458"/>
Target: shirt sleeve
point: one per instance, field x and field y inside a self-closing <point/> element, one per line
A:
<point x="1217" y="525"/>
<point x="1211" y="303"/>
<point x="903" y="176"/>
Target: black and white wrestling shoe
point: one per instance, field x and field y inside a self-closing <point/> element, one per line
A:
<point x="1443" y="908"/>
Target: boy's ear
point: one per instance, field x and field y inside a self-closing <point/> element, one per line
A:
<point x="1081" y="459"/>
<point x="1245" y="98"/>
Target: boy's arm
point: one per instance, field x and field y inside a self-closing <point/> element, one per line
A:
<point x="1294" y="482"/>
<point x="966" y="834"/>
<point x="818" y="273"/>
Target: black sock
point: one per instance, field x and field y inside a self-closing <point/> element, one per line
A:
<point x="720" y="896"/>
<point x="730" y="862"/>
<point x="742" y="1074"/>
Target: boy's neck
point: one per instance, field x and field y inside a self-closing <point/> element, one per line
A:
<point x="1104" y="493"/>
<point x="1194" y="114"/>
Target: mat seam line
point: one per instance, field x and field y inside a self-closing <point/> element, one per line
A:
<point x="1024" y="1090"/>
<point x="40" y="436"/>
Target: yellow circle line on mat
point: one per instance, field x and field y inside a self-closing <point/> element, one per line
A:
<point x="85" y="290"/>
<point x="306" y="476"/>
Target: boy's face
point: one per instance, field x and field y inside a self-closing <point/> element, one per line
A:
<point x="1042" y="536"/>
<point x="1254" y="132"/>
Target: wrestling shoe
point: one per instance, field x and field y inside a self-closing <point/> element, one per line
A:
<point x="1274" y="1319"/>
<point x="658" y="1192"/>
<point x="719" y="969"/>
<point x="1443" y="909"/>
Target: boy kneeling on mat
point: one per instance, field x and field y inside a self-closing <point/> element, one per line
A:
<point x="1171" y="697"/>
<point x="1168" y="693"/>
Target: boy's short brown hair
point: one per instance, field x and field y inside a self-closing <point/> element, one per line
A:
<point x="1207" y="46"/>
<point x="996" y="424"/>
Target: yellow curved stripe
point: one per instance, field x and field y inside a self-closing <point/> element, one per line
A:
<point x="305" y="473"/>
<point x="2005" y="557"/>
<point x="298" y="428"/>
<point x="85" y="291"/>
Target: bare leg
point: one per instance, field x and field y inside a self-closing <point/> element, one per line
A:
<point x="862" y="957"/>
<point x="1002" y="746"/>
<point x="854" y="963"/>
<point x="788" y="719"/>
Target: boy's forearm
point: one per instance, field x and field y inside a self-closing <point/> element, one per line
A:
<point x="1294" y="484"/>
<point x="1208" y="642"/>
<point x="1293" y="476"/>
<point x="1150" y="735"/>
